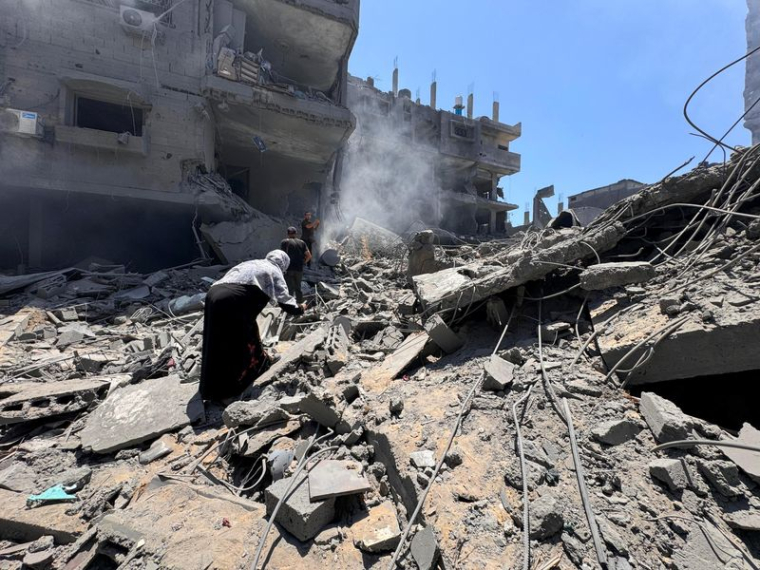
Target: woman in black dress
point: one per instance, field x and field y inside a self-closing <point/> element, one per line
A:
<point x="233" y="354"/>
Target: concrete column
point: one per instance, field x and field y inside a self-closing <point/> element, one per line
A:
<point x="492" y="223"/>
<point x="433" y="93"/>
<point x="495" y="115"/>
<point x="470" y="105"/>
<point x="35" y="232"/>
<point x="395" y="82"/>
<point x="526" y="218"/>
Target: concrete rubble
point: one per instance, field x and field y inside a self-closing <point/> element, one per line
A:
<point x="347" y="432"/>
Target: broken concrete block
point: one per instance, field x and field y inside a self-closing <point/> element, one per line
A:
<point x="93" y="363"/>
<point x="298" y="515"/>
<point x="160" y="448"/>
<point x="425" y="549"/>
<point x="379" y="530"/>
<point x="499" y="374"/>
<point x="583" y="387"/>
<point x="155" y="279"/>
<point x="396" y="406"/>
<point x="747" y="461"/>
<point x="187" y="304"/>
<point x="253" y="413"/>
<point x="616" y="432"/>
<point x="605" y="275"/>
<point x="327" y="292"/>
<point x="743" y="520"/>
<point x="67" y="314"/>
<point x="442" y="335"/>
<point x="723" y="475"/>
<point x="18" y="477"/>
<point x="545" y="517"/>
<point x="553" y="331"/>
<point x="73" y="334"/>
<point x="322" y="407"/>
<point x="665" y="419"/>
<point x="333" y="478"/>
<point x="291" y="404"/>
<point x="29" y="401"/>
<point x="422" y="459"/>
<point x="38" y="560"/>
<point x="672" y="472"/>
<point x="140" y="412"/>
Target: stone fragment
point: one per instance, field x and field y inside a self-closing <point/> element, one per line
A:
<point x="425" y="549"/>
<point x="41" y="559"/>
<point x="605" y="275"/>
<point x="552" y="332"/>
<point x="18" y="477"/>
<point x="379" y="530"/>
<point x="327" y="292"/>
<point x="744" y="520"/>
<point x="291" y="404"/>
<point x="442" y="335"/>
<point x="139" y="412"/>
<point x="73" y="334"/>
<point x="160" y="448"/>
<point x="454" y="457"/>
<point x="612" y="537"/>
<point x="499" y="374"/>
<point x="665" y="419"/>
<point x="748" y="461"/>
<point x="322" y="407"/>
<point x="545" y="517"/>
<point x="333" y="478"/>
<point x="583" y="387"/>
<point x="155" y="279"/>
<point x="396" y="406"/>
<point x="298" y="515"/>
<point x="672" y="472"/>
<point x="616" y="432"/>
<point x="422" y="459"/>
<point x="723" y="475"/>
<point x="253" y="413"/>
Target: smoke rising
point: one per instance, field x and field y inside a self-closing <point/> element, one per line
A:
<point x="386" y="178"/>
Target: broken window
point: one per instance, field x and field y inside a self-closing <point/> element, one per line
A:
<point x="111" y="117"/>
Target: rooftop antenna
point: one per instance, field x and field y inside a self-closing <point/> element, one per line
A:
<point x="433" y="89"/>
<point x="395" y="76"/>
<point x="470" y="100"/>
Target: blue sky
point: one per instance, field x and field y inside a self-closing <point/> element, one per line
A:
<point x="599" y="85"/>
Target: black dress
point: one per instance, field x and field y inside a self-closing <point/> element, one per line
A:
<point x="233" y="354"/>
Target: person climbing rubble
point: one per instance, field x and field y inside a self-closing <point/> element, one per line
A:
<point x="308" y="229"/>
<point x="233" y="354"/>
<point x="299" y="254"/>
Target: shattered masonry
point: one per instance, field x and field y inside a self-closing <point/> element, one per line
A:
<point x="108" y="459"/>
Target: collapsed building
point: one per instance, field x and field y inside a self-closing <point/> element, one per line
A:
<point x="414" y="165"/>
<point x="135" y="120"/>
<point x="568" y="397"/>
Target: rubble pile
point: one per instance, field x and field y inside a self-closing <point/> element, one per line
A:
<point x="469" y="412"/>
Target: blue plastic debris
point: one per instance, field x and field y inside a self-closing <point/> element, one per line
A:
<point x="56" y="494"/>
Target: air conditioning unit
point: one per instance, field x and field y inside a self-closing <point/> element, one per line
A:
<point x="20" y="122"/>
<point x="137" y="22"/>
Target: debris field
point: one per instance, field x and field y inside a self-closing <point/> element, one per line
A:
<point x="473" y="405"/>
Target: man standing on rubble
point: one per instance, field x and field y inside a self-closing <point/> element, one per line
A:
<point x="233" y="354"/>
<point x="299" y="254"/>
<point x="308" y="229"/>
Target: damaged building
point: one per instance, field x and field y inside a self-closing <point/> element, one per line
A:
<point x="136" y="120"/>
<point x="412" y="165"/>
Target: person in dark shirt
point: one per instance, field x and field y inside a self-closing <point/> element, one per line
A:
<point x="299" y="254"/>
<point x="308" y="229"/>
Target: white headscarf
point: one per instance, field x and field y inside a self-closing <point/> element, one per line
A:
<point x="266" y="274"/>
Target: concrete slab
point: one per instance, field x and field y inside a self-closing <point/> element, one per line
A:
<point x="425" y="549"/>
<point x="378" y="378"/>
<point x="141" y="412"/>
<point x="615" y="274"/>
<point x="183" y="525"/>
<point x="333" y="478"/>
<point x="29" y="401"/>
<point x="19" y="523"/>
<point x="727" y="345"/>
<point x="747" y="461"/>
